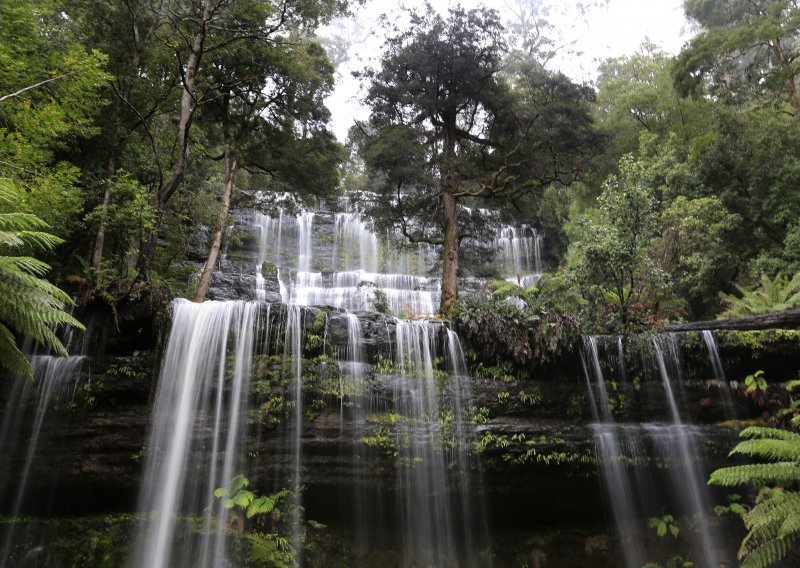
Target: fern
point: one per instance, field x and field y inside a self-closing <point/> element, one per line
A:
<point x="773" y="524"/>
<point x="756" y="474"/>
<point x="29" y="305"/>
<point x="773" y="295"/>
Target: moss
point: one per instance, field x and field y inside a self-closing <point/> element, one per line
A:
<point x="758" y="339"/>
<point x="102" y="542"/>
<point x="269" y="270"/>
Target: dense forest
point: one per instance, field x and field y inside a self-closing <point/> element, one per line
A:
<point x="667" y="190"/>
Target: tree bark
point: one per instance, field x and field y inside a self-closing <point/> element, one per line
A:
<point x="450" y="212"/>
<point x="788" y="319"/>
<point x="99" y="240"/>
<point x="231" y="166"/>
<point x="450" y="271"/>
<point x="187" y="109"/>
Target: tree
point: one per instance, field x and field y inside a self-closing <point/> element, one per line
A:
<point x="202" y="29"/>
<point x="612" y="252"/>
<point x="446" y="126"/>
<point x="29" y="305"/>
<point x="49" y="97"/>
<point x="270" y="108"/>
<point x="748" y="48"/>
<point x="636" y="94"/>
<point x="134" y="36"/>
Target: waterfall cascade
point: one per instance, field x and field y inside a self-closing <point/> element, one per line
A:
<point x="520" y="254"/>
<point x="30" y="408"/>
<point x="632" y="455"/>
<point x="413" y="408"/>
<point x="369" y="424"/>
<point x="344" y="265"/>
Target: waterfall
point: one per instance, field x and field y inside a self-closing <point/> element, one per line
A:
<point x="618" y="484"/>
<point x="181" y="471"/>
<point x="358" y="270"/>
<point x="520" y="254"/>
<point x="627" y="452"/>
<point x="56" y="380"/>
<point x="684" y="450"/>
<point x="716" y="362"/>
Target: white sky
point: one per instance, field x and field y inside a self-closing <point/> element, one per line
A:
<point x="610" y="28"/>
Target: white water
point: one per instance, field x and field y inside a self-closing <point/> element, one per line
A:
<point x="520" y="254"/>
<point x="353" y="273"/>
<point x="618" y="485"/>
<point x="56" y="380"/>
<point x="630" y="452"/>
<point x="688" y="473"/>
<point x="181" y="472"/>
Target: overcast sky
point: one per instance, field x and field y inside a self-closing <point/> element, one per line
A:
<point x="604" y="29"/>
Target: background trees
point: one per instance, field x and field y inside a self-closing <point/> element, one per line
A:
<point x="448" y="124"/>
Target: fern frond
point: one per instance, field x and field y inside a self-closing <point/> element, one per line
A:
<point x="763" y="556"/>
<point x="21" y="222"/>
<point x="772" y="510"/>
<point x="790" y="526"/>
<point x="756" y="474"/>
<point x="764" y="432"/>
<point x="11" y="357"/>
<point x="782" y="450"/>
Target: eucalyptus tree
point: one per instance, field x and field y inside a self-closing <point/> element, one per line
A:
<point x="746" y="49"/>
<point x="447" y="125"/>
<point x="144" y="86"/>
<point x="269" y="108"/>
<point x="202" y="28"/>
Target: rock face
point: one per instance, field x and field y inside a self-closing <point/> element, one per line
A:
<point x="533" y="434"/>
<point x="532" y="439"/>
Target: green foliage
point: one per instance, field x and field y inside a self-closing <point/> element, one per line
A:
<point x="533" y="330"/>
<point x="773" y="295"/>
<point x="29" y="305"/>
<point x="611" y="254"/>
<point x="755" y="386"/>
<point x="663" y="524"/>
<point x="773" y="524"/>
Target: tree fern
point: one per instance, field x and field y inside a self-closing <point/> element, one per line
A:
<point x="773" y="524"/>
<point x="29" y="305"/>
<point x="773" y="295"/>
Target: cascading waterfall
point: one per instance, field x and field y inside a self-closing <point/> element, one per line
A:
<point x="520" y="254"/>
<point x="361" y="272"/>
<point x="687" y="473"/>
<point x="635" y="489"/>
<point x="618" y="485"/>
<point x="728" y="406"/>
<point x="181" y="471"/>
<point x="203" y="389"/>
<point x="713" y="353"/>
<point x="432" y="442"/>
<point x="56" y="380"/>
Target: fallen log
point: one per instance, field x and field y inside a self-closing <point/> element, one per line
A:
<point x="788" y="319"/>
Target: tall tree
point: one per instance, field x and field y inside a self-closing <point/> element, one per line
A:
<point x="445" y="125"/>
<point x="746" y="48"/>
<point x="203" y="28"/>
<point x="270" y="107"/>
<point x="636" y="94"/>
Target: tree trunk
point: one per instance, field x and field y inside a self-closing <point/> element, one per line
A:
<point x="450" y="272"/>
<point x="451" y="236"/>
<point x="187" y="109"/>
<point x="231" y="166"/>
<point x="788" y="319"/>
<point x="99" y="240"/>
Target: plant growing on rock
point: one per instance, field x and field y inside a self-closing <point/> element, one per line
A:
<point x="773" y="523"/>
